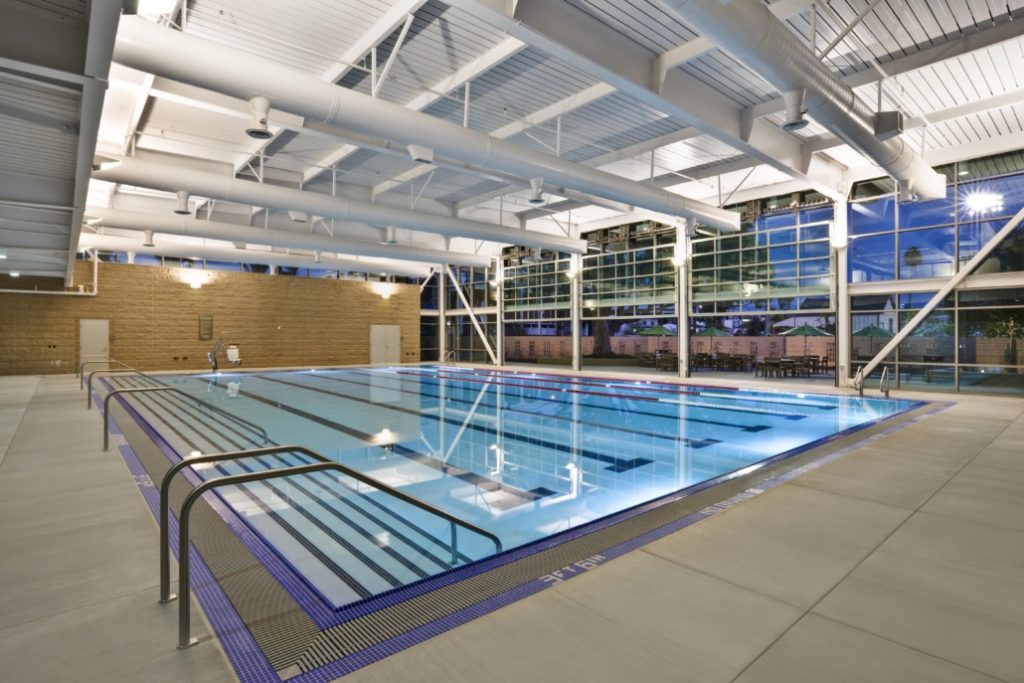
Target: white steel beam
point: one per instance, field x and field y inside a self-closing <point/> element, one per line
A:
<point x="385" y="26"/>
<point x="950" y="285"/>
<point x="99" y="44"/>
<point x="949" y="50"/>
<point x="570" y="35"/>
<point x="554" y="110"/>
<point x="472" y="315"/>
<point x="638" y="149"/>
<point x="437" y="91"/>
<point x="691" y="49"/>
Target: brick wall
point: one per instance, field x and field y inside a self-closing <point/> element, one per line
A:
<point x="154" y="320"/>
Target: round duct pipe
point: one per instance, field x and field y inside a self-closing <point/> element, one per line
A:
<point x="188" y="226"/>
<point x="145" y="46"/>
<point x="172" y="178"/>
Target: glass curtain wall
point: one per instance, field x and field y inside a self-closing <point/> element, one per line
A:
<point x="481" y="291"/>
<point x="969" y="343"/>
<point x="628" y="312"/>
<point x="765" y="294"/>
<point x="537" y="303"/>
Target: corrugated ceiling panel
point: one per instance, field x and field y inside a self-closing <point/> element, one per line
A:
<point x="645" y="23"/>
<point x="305" y="34"/>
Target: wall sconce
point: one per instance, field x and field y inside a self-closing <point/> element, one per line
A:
<point x="383" y="289"/>
<point x="195" y="278"/>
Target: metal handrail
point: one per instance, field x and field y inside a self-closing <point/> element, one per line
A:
<point x="883" y="384"/>
<point x="184" y="615"/>
<point x="88" y="384"/>
<point x="138" y="390"/>
<point x="858" y="380"/>
<point x="100" y="356"/>
<point x="81" y="369"/>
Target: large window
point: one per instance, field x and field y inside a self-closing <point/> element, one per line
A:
<point x="970" y="342"/>
<point x="907" y="240"/>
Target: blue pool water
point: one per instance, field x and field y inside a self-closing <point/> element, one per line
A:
<point x="522" y="455"/>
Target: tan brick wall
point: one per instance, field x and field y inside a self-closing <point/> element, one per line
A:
<point x="154" y="320"/>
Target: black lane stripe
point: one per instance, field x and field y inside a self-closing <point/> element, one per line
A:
<point x="355" y="526"/>
<point x="320" y="479"/>
<point x="349" y="580"/>
<point x="693" y="443"/>
<point x="613" y="463"/>
<point x="705" y="406"/>
<point x="690" y="390"/>
<point x="456" y="472"/>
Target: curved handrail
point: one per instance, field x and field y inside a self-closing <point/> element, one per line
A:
<point x="883" y="383"/>
<point x="88" y="383"/>
<point x="81" y="369"/>
<point x="138" y="390"/>
<point x="322" y="463"/>
<point x="93" y="356"/>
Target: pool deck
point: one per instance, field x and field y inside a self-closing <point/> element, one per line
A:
<point x="900" y="561"/>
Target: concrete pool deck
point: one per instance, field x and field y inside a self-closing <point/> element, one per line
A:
<point x="900" y="561"/>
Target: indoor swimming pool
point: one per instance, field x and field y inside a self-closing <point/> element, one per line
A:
<point x="524" y="456"/>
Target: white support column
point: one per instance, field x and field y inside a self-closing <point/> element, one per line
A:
<point x="498" y="282"/>
<point x="442" y="321"/>
<point x="840" y="248"/>
<point x="950" y="285"/>
<point x="575" y="268"/>
<point x="472" y="316"/>
<point x="681" y="261"/>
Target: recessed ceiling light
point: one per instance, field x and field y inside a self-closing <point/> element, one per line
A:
<point x="15" y="274"/>
<point x="3" y="253"/>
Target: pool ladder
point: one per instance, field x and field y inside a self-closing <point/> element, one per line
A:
<point x="883" y="383"/>
<point x="322" y="463"/>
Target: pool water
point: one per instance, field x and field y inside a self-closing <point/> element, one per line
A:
<point x="520" y="454"/>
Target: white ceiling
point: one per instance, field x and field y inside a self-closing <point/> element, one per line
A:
<point x="520" y="92"/>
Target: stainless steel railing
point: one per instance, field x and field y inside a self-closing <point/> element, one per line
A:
<point x="106" y="359"/>
<point x="883" y="384"/>
<point x="184" y="598"/>
<point x="88" y="384"/>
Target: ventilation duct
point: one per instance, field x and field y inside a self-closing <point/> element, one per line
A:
<point x="171" y="54"/>
<point x="284" y="239"/>
<point x="182" y="209"/>
<point x="259" y="113"/>
<point x="221" y="187"/>
<point x="269" y="258"/>
<point x="748" y="31"/>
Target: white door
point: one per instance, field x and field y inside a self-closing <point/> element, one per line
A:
<point x="93" y="342"/>
<point x="385" y="343"/>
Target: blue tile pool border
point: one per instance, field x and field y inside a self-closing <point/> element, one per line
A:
<point x="250" y="663"/>
<point x="316" y="606"/>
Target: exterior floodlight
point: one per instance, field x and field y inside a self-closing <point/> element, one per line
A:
<point x="259" y="112"/>
<point x="182" y="209"/>
<point x="297" y="216"/>
<point x="389" y="235"/>
<point x="536" y="191"/>
<point x="795" y="110"/>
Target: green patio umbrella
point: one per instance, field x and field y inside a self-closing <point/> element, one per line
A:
<point x="656" y="331"/>
<point x="872" y="331"/>
<point x="805" y="331"/>
<point x="712" y="332"/>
